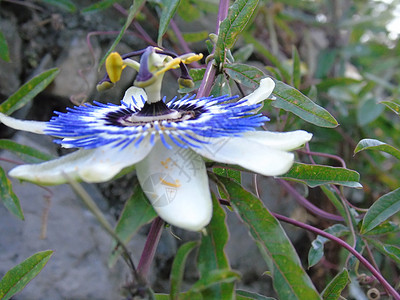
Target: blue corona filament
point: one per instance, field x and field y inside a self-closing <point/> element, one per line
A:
<point x="91" y="126"/>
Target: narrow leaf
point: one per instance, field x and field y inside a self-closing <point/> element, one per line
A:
<point x="289" y="278"/>
<point x="394" y="106"/>
<point x="382" y="209"/>
<point x="7" y="196"/>
<point x="391" y="251"/>
<point x="133" y="10"/>
<point x="19" y="276"/>
<point x="221" y="86"/>
<point x="376" y="145"/>
<point x="336" y="286"/>
<point x="4" y="53"/>
<point x="334" y="198"/>
<point x="315" y="175"/>
<point x="212" y="254"/>
<point x="26" y="153"/>
<point x="245" y="295"/>
<point x="290" y="99"/>
<point x="193" y="37"/>
<point x="316" y="251"/>
<point x="98" y="6"/>
<point x="367" y="111"/>
<point x="169" y="8"/>
<point x="384" y="228"/>
<point x="136" y="213"/>
<point x="263" y="50"/>
<point x="182" y="296"/>
<point x="28" y="91"/>
<point x="63" y="4"/>
<point x="178" y="268"/>
<point x="244" y="74"/>
<point x="243" y="53"/>
<point x="238" y="16"/>
<point x="296" y="72"/>
<point x="212" y="278"/>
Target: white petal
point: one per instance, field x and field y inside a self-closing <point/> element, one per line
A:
<point x="30" y="126"/>
<point x="279" y="140"/>
<point x="248" y="154"/>
<point x="175" y="181"/>
<point x="134" y="93"/>
<point x="90" y="165"/>
<point x="265" y="89"/>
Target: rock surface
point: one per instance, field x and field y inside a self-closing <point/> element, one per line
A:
<point x="78" y="268"/>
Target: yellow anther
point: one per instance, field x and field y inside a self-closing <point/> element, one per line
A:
<point x="195" y="57"/>
<point x="185" y="82"/>
<point x="101" y="87"/>
<point x="114" y="66"/>
<point x="172" y="64"/>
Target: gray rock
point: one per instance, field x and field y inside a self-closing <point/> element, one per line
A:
<point x="78" y="72"/>
<point x="78" y="268"/>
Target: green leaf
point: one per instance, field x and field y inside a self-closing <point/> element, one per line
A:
<point x="28" y="91"/>
<point x="212" y="254"/>
<point x="244" y="295"/>
<point x="247" y="75"/>
<point x="98" y="6"/>
<point x="394" y="106"/>
<point x="238" y="16"/>
<point x="296" y="73"/>
<point x="376" y="145"/>
<point x="189" y="11"/>
<point x="289" y="278"/>
<point x="136" y="213"/>
<point x="169" y="8"/>
<point x="26" y="153"/>
<point x="182" y="296"/>
<point x="334" y="198"/>
<point x="63" y="4"/>
<point x="316" y="251"/>
<point x="336" y="286"/>
<point x="315" y="175"/>
<point x="243" y="53"/>
<point x="367" y="111"/>
<point x="178" y="268"/>
<point x="19" y="276"/>
<point x="384" y="228"/>
<point x="263" y="50"/>
<point x="212" y="278"/>
<point x="4" y="53"/>
<point x="221" y="86"/>
<point x="382" y="209"/>
<point x="290" y="99"/>
<point x="326" y="60"/>
<point x="7" y="196"/>
<point x="233" y="174"/>
<point x="391" y="251"/>
<point x="133" y="11"/>
<point x="193" y="37"/>
<point x="327" y="83"/>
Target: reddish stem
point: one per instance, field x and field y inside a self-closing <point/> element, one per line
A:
<point x="361" y="258"/>
<point x="307" y="204"/>
<point x="209" y="76"/>
<point x="150" y="247"/>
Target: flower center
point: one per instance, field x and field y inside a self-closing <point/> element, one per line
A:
<point x="150" y="113"/>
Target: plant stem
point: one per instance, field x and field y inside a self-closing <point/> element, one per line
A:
<point x="342" y="243"/>
<point x="307" y="204"/>
<point x="209" y="76"/>
<point x="150" y="247"/>
<point x="92" y="206"/>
